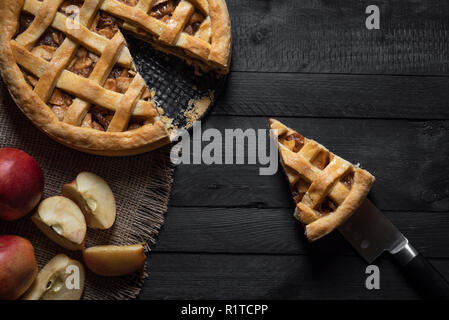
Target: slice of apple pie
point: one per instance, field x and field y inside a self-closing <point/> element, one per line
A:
<point x="326" y="189"/>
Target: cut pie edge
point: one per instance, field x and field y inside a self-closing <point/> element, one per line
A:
<point x="317" y="226"/>
<point x="215" y="56"/>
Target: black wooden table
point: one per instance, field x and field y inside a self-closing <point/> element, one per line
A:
<point x="378" y="97"/>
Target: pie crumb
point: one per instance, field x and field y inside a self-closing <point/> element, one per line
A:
<point x="196" y="108"/>
<point x="171" y="127"/>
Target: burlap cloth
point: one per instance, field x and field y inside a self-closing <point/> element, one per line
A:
<point x="141" y="185"/>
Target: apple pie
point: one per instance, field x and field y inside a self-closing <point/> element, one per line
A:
<point x="68" y="68"/>
<point x="326" y="188"/>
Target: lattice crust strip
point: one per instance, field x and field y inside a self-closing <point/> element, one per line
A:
<point x="82" y="35"/>
<point x="78" y="109"/>
<point x="74" y="84"/>
<point x="326" y="188"/>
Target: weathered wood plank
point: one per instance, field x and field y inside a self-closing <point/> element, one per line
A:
<point x="226" y="276"/>
<point x="331" y="37"/>
<point x="409" y="159"/>
<point x="276" y="231"/>
<point x="335" y="95"/>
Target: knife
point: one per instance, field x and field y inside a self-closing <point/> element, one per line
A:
<point x="371" y="234"/>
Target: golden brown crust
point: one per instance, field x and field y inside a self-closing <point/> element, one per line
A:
<point x="87" y="91"/>
<point x="203" y="5"/>
<point x="78" y="109"/>
<point x="179" y="19"/>
<point x="323" y="182"/>
<point x="221" y="34"/>
<point x="122" y="115"/>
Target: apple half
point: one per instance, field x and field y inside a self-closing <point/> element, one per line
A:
<point x="114" y="260"/>
<point x="62" y="221"/>
<point x="62" y="278"/>
<point x="95" y="198"/>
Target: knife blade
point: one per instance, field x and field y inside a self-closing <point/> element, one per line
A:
<point x="370" y="233"/>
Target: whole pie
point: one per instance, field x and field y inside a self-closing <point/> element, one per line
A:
<point x="67" y="66"/>
<point x="326" y="188"/>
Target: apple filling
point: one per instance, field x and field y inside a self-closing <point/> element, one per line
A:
<point x="105" y="25"/>
<point x="327" y="206"/>
<point x="83" y="63"/>
<point x="322" y="160"/>
<point x="164" y="10"/>
<point x="60" y="102"/>
<point x="299" y="189"/>
<point x="293" y="141"/>
<point x="348" y="180"/>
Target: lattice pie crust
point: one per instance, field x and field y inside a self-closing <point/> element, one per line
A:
<point x="67" y="66"/>
<point x="326" y="189"/>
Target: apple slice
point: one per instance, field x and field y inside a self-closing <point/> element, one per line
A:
<point x="115" y="260"/>
<point x="95" y="198"/>
<point x="61" y="279"/>
<point x="62" y="221"/>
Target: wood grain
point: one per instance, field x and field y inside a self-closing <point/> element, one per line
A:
<point x="334" y="96"/>
<point x="234" y="276"/>
<point x="331" y="37"/>
<point x="276" y="231"/>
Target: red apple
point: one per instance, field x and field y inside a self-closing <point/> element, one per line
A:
<point x="21" y="183"/>
<point x="18" y="267"/>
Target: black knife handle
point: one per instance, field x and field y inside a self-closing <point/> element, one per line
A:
<point x="422" y="275"/>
